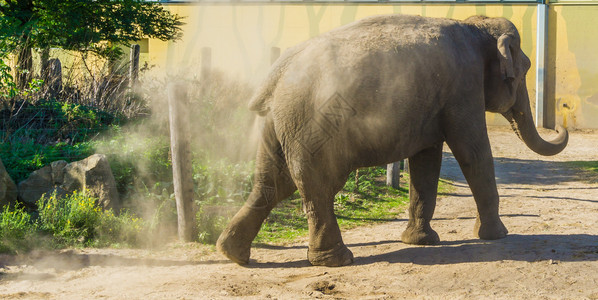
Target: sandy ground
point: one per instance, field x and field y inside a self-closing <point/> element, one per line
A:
<point x="551" y="252"/>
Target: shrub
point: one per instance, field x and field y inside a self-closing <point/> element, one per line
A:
<point x="77" y="220"/>
<point x="8" y="88"/>
<point x="211" y="221"/>
<point x="221" y="181"/>
<point x="124" y="229"/>
<point x="71" y="219"/>
<point x="20" y="159"/>
<point x="17" y="230"/>
<point x="34" y="135"/>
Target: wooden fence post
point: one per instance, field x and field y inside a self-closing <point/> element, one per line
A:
<point x="393" y="174"/>
<point x="205" y="70"/>
<point x="181" y="158"/>
<point x="53" y="77"/>
<point x="274" y="54"/>
<point x="134" y="65"/>
<point x="206" y="62"/>
<point x="44" y="57"/>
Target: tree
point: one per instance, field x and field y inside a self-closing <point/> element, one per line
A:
<point x="98" y="26"/>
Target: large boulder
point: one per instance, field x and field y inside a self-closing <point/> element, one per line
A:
<point x="37" y="184"/>
<point x="92" y="174"/>
<point x="8" y="189"/>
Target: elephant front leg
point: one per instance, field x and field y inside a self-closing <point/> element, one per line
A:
<point x="424" y="169"/>
<point x="475" y="158"/>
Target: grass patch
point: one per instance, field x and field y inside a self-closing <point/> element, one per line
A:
<point x="17" y="230"/>
<point x="370" y="200"/>
<point x="74" y="220"/>
<point x="77" y="220"/>
<point x="285" y="223"/>
<point x="589" y="169"/>
<point x="366" y="200"/>
<point x="591" y="166"/>
<point x="32" y="135"/>
<point x="20" y="159"/>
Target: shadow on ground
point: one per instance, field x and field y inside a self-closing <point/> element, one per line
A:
<point x="529" y="248"/>
<point x="518" y="171"/>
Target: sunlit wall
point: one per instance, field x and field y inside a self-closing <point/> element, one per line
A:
<point x="573" y="65"/>
<point x="241" y="37"/>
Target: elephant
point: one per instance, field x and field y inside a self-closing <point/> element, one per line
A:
<point x="376" y="91"/>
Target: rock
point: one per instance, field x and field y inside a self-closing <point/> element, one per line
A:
<point x="43" y="181"/>
<point x="58" y="171"/>
<point x="8" y="189"/>
<point x="38" y="183"/>
<point x="93" y="174"/>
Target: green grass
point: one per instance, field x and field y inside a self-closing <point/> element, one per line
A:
<point x="38" y="134"/>
<point x="589" y="169"/>
<point x="285" y="223"/>
<point x="74" y="220"/>
<point x="591" y="166"/>
<point x="17" y="230"/>
<point x="20" y="159"/>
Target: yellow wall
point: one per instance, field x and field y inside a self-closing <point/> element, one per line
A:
<point x="573" y="65"/>
<point x="241" y="35"/>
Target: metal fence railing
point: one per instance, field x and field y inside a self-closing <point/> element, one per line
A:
<point x="191" y="2"/>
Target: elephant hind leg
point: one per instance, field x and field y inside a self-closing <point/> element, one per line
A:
<point x="424" y="170"/>
<point x="326" y="247"/>
<point x="318" y="186"/>
<point x="272" y="183"/>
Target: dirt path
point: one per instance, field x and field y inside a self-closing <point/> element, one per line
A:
<point x="551" y="252"/>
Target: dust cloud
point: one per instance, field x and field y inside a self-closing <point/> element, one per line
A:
<point x="223" y="136"/>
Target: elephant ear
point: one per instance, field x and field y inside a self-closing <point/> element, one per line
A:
<point x="505" y="57"/>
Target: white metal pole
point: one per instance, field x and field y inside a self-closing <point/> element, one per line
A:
<point x="541" y="47"/>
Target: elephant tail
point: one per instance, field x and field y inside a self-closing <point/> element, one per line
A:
<point x="260" y="102"/>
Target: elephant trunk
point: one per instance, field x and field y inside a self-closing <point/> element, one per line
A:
<point x="520" y="117"/>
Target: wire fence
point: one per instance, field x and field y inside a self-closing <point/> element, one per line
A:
<point x="70" y="105"/>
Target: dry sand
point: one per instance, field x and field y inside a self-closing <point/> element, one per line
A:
<point x="551" y="252"/>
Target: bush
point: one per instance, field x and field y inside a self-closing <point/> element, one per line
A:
<point x="34" y="135"/>
<point x="77" y="220"/>
<point x="124" y="229"/>
<point x="20" y="159"/>
<point x="221" y="181"/>
<point x="71" y="219"/>
<point x="137" y="161"/>
<point x="210" y="224"/>
<point x="17" y="230"/>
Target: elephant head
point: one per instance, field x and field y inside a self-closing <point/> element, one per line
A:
<point x="505" y="87"/>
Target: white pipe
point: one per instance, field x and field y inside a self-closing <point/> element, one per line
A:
<point x="541" y="46"/>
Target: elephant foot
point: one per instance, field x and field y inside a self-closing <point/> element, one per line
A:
<point x="490" y="230"/>
<point x="336" y="257"/>
<point x="420" y="236"/>
<point x="235" y="240"/>
<point x="235" y="250"/>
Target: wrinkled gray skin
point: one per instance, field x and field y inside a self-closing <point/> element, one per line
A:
<point x="376" y="91"/>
